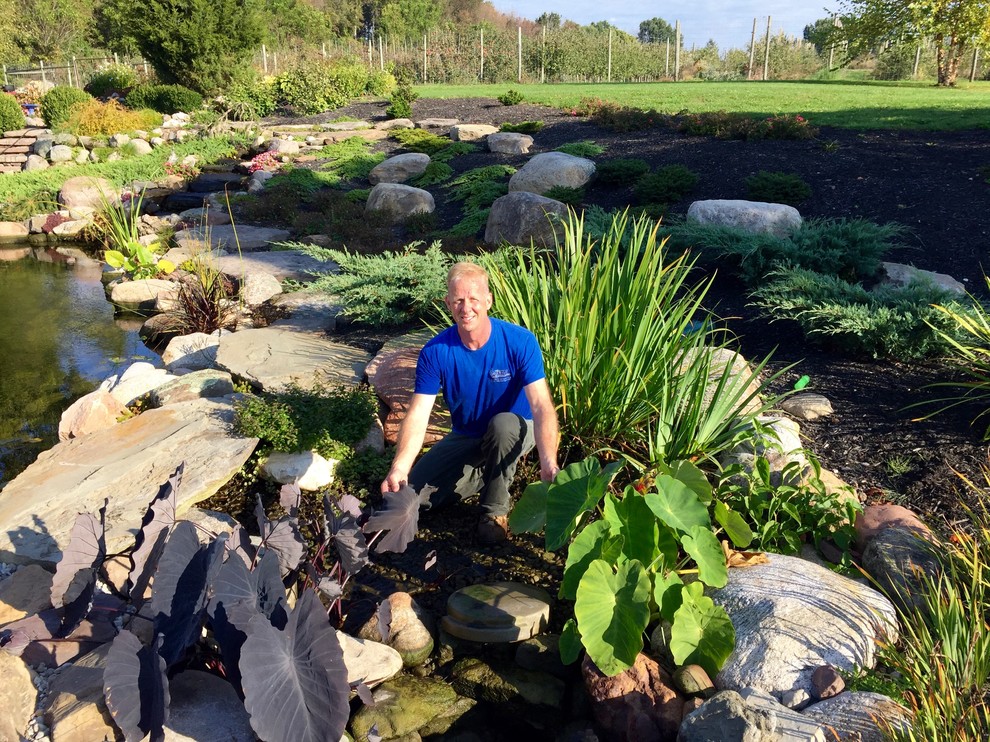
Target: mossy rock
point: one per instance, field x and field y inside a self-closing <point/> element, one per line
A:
<point x="404" y="705"/>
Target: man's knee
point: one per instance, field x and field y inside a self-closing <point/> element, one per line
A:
<point x="508" y="427"/>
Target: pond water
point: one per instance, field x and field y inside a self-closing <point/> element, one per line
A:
<point x="58" y="341"/>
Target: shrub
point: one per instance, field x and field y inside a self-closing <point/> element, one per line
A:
<point x="380" y="83"/>
<point x="204" y="303"/>
<point x="510" y="97"/>
<point x="57" y="103"/>
<point x="94" y="118"/>
<point x="477" y="189"/>
<point x="566" y="195"/>
<point x="777" y="188"/>
<point x="314" y="88"/>
<point x="523" y="127"/>
<point x="252" y="99"/>
<point x="421" y="140"/>
<point x="723" y="125"/>
<point x="165" y="98"/>
<point x="435" y="173"/>
<point x="612" y="322"/>
<point x="400" y="105"/>
<point x="117" y="78"/>
<point x="619" y="118"/>
<point x="620" y="172"/>
<point x="420" y="224"/>
<point x="11" y="115"/>
<point x="328" y="420"/>
<point x="886" y="322"/>
<point x="669" y="183"/>
<point x="399" y="108"/>
<point x="585" y="148"/>
<point x="386" y="289"/>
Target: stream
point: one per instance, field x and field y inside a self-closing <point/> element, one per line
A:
<point x="58" y="340"/>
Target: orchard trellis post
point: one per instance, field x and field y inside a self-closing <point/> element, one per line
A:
<point x="381" y="54"/>
<point x="609" y="72"/>
<point x="917" y="61"/>
<point x="752" y="49"/>
<point x="766" y="54"/>
<point x="519" y="45"/>
<point x="482" y="76"/>
<point x="677" y="51"/>
<point x="976" y="60"/>
<point x="666" y="64"/>
<point x="424" y="58"/>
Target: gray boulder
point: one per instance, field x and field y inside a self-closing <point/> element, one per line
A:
<point x="400" y="201"/>
<point x="549" y="169"/>
<point x="899" y="558"/>
<point x="900" y="275"/>
<point x="60" y="153"/>
<point x="755" y="217"/>
<point x="860" y="716"/>
<point x="36" y="162"/>
<point x="142" y="295"/>
<point x="509" y="143"/>
<point x="192" y="352"/>
<point x="471" y="132"/>
<point x="520" y="218"/>
<point x="257" y="288"/>
<point x="399" y="169"/>
<point x="86" y="190"/>
<point x="205" y="384"/>
<point x="243" y="238"/>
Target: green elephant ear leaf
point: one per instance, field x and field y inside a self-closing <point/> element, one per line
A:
<point x="585" y="549"/>
<point x="530" y="513"/>
<point x="632" y="517"/>
<point x="702" y="546"/>
<point x="693" y="477"/>
<point x="734" y="524"/>
<point x="702" y="633"/>
<point x="677" y="505"/>
<point x="667" y="594"/>
<point x="114" y="258"/>
<point x="570" y="642"/>
<point x="576" y="490"/>
<point x="612" y="611"/>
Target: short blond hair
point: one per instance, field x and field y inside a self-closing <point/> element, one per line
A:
<point x="467" y="271"/>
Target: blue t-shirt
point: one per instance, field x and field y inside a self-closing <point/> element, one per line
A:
<point x="479" y="384"/>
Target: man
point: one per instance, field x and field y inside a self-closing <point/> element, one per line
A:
<point x="492" y="377"/>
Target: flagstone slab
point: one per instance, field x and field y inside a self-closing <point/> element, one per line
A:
<point x="124" y="464"/>
<point x="497" y="612"/>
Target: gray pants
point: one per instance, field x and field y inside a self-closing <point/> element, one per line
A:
<point x="461" y="466"/>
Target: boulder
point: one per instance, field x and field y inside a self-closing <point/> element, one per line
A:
<point x="24" y="593"/>
<point x="224" y="236"/>
<point x="471" y="132"/>
<point x="395" y="124"/>
<point x="826" y="682"/>
<point x="13" y="231"/>
<point x="141" y="147"/>
<point x="542" y="654"/>
<point x="900" y="559"/>
<point x="283" y="147"/>
<point x="435" y="123"/>
<point x="876" y="518"/>
<point x="257" y="288"/>
<point x="399" y="169"/>
<point x="550" y="169"/>
<point x="126" y="463"/>
<point x="402" y="706"/>
<point x="60" y="153"/>
<point x="368" y="662"/>
<point x="85" y="190"/>
<point x="17" y="697"/>
<point x="203" y="384"/>
<point x="97" y="410"/>
<point x="789" y="725"/>
<point x="510" y="143"/>
<point x="43" y="145"/>
<point x="410" y="630"/>
<point x="537" y="696"/>
<point x="727" y="716"/>
<point x="860" y="716"/>
<point x="308" y="312"/>
<point x="807" y="406"/>
<point x="72" y="228"/>
<point x="193" y="352"/>
<point x="399" y="201"/>
<point x="139" y="379"/>
<point x="637" y="704"/>
<point x="307" y="469"/>
<point x="792" y="616"/>
<point x="755" y="217"/>
<point x="392" y="374"/>
<point x="215" y="182"/>
<point x="36" y="162"/>
<point x="281" y="264"/>
<point x="272" y="357"/>
<point x="521" y="218"/>
<point x="778" y="440"/>
<point x="75" y="709"/>
<point x="119" y="140"/>
<point x="900" y="275"/>
<point x="142" y="295"/>
<point x="205" y="708"/>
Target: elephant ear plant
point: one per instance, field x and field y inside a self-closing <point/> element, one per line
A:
<point x="286" y="662"/>
<point x="627" y="559"/>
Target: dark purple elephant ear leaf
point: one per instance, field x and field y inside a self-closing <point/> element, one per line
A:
<point x="295" y="681"/>
<point x="290" y="496"/>
<point x="385" y="621"/>
<point x="155" y="526"/>
<point x="351" y="544"/>
<point x="329" y="588"/>
<point x="365" y="694"/>
<point x="283" y="537"/>
<point x="136" y="688"/>
<point x="350" y="504"/>
<point x="85" y="552"/>
<point x="400" y="518"/>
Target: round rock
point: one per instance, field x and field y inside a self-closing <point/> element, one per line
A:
<point x="497" y="612"/>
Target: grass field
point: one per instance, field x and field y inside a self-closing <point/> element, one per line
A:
<point x="852" y="105"/>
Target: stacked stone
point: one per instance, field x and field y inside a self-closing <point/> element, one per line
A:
<point x="15" y="146"/>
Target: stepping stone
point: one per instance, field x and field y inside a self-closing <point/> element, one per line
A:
<point x="213" y="182"/>
<point x="436" y="123"/>
<point x="498" y="612"/>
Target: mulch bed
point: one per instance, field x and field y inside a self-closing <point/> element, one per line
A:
<point x="930" y="182"/>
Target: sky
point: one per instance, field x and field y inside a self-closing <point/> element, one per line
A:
<point x="729" y="23"/>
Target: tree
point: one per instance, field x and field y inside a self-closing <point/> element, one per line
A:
<point x="953" y="25"/>
<point x="822" y="33"/>
<point x="655" y="31"/>
<point x="203" y="44"/>
<point x="52" y="29"/>
<point x="550" y="21"/>
<point x="409" y="19"/>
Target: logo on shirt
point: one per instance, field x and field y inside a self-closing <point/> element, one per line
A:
<point x="499" y="376"/>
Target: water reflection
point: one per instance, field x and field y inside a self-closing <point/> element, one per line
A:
<point x="58" y="340"/>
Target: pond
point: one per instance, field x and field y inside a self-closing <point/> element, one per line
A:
<point x="58" y="340"/>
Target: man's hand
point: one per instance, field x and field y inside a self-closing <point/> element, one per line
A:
<point x="548" y="472"/>
<point x="394" y="481"/>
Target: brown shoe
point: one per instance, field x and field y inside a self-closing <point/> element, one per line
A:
<point x="493" y="529"/>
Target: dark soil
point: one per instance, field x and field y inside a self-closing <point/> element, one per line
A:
<point x="934" y="183"/>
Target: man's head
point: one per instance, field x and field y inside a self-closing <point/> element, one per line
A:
<point x="468" y="296"/>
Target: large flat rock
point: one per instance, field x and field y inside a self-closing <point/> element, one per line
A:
<point x="231" y="238"/>
<point x="273" y="357"/>
<point x="125" y="464"/>
<point x="282" y="264"/>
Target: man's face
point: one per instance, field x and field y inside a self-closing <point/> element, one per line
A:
<point x="469" y="300"/>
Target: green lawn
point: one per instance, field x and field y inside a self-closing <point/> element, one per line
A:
<point x="853" y="105"/>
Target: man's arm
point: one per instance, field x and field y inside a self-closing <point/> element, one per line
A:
<point x="545" y="428"/>
<point x="412" y="433"/>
